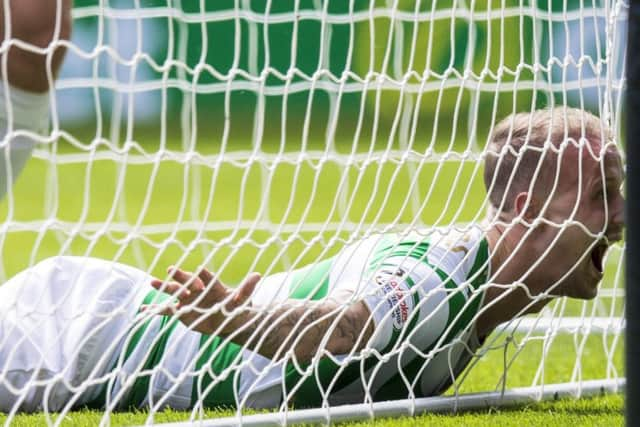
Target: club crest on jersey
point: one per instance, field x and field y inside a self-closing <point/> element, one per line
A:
<point x="396" y="293"/>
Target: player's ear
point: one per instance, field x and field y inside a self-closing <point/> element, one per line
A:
<point x="526" y="207"/>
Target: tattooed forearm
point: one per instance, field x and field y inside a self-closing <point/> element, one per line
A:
<point x="335" y="325"/>
<point x="305" y="327"/>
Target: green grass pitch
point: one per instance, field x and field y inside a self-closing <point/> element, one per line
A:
<point x="102" y="195"/>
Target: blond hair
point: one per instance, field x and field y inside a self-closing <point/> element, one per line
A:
<point x="522" y="143"/>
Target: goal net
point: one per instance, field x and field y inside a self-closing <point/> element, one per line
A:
<point x="247" y="136"/>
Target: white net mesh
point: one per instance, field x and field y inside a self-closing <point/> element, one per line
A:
<point x="269" y="136"/>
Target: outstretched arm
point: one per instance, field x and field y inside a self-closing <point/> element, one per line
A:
<point x="298" y="325"/>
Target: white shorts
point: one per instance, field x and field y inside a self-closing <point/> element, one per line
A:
<point x="62" y="325"/>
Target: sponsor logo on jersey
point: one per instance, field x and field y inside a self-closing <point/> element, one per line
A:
<point x="396" y="293"/>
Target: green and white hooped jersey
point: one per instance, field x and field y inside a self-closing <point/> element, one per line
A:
<point x="422" y="292"/>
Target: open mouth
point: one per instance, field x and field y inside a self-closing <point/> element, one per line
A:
<point x="597" y="256"/>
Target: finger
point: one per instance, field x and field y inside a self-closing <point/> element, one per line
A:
<point x="171" y="288"/>
<point x="178" y="274"/>
<point x="245" y="290"/>
<point x="213" y="285"/>
<point x="206" y="276"/>
<point x="186" y="278"/>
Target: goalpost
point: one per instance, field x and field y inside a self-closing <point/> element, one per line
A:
<point x="265" y="136"/>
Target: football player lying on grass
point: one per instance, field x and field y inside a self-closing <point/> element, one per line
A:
<point x="390" y="316"/>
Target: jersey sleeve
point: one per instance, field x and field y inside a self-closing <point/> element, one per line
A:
<point x="407" y="300"/>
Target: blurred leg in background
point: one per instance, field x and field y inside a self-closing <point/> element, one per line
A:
<point x="30" y="57"/>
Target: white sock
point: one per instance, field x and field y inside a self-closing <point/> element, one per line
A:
<point x="20" y="111"/>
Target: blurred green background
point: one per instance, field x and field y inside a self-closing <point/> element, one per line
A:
<point x="279" y="73"/>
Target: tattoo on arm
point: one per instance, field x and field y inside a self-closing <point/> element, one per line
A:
<point x="307" y="328"/>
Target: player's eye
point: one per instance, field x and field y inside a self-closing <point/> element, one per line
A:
<point x="599" y="194"/>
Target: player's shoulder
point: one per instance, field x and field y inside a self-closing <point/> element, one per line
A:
<point x="449" y="239"/>
<point x="463" y="240"/>
<point x="461" y="252"/>
<point x="456" y="251"/>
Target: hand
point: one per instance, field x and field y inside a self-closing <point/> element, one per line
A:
<point x="200" y="298"/>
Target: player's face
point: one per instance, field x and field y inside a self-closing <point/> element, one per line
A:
<point x="587" y="212"/>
